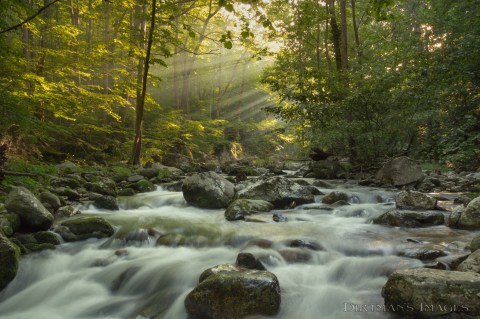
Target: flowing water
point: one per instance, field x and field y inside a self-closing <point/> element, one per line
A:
<point x="128" y="276"/>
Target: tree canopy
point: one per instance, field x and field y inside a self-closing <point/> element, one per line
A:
<point x="363" y="79"/>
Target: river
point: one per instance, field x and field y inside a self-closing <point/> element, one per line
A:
<point x="128" y="276"/>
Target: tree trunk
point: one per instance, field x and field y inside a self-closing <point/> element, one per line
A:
<point x="139" y="110"/>
<point x="344" y="44"/>
<point x="355" y="31"/>
<point x="335" y="34"/>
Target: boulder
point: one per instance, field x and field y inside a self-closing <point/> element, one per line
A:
<point x="231" y="292"/>
<point x="33" y="215"/>
<point x="408" y="218"/>
<point x="428" y="293"/>
<point x="400" y="171"/>
<point x="414" y="200"/>
<point x="143" y="186"/>
<point x="9" y="261"/>
<point x="67" y="168"/>
<point x="475" y="244"/>
<point x="69" y="193"/>
<point x="9" y="223"/>
<point x="207" y="190"/>
<point x="179" y="161"/>
<point x="334" y="197"/>
<point x="331" y="168"/>
<point x="38" y="241"/>
<point x="168" y="171"/>
<point x="50" y="200"/>
<point x="470" y="218"/>
<point x="147" y="172"/>
<point x="472" y="263"/>
<point x="67" y="211"/>
<point x="281" y="192"/>
<point x="238" y="209"/>
<point x="106" y="202"/>
<point x="135" y="178"/>
<point x="84" y="228"/>
<point x="106" y="186"/>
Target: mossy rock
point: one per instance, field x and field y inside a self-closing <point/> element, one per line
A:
<point x="84" y="228"/>
<point x="38" y="241"/>
<point x="238" y="209"/>
<point x="126" y="192"/>
<point x="235" y="294"/>
<point x="106" y="202"/>
<point x="143" y="186"/>
<point x="9" y="261"/>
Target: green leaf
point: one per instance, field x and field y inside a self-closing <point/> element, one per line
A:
<point x="228" y="44"/>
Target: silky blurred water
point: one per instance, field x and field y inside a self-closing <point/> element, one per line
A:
<point x="127" y="276"/>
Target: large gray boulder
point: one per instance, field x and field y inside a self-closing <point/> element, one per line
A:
<point x="400" y="171"/>
<point x="207" y="190"/>
<point x="472" y="263"/>
<point x="281" y="192"/>
<point x="428" y="293"/>
<point x="470" y="218"/>
<point x="84" y="228"/>
<point x="408" y="218"/>
<point x="475" y="244"/>
<point x="9" y="261"/>
<point x="234" y="292"/>
<point x="33" y="215"/>
<point x="330" y="168"/>
<point x="414" y="200"/>
<point x="240" y="208"/>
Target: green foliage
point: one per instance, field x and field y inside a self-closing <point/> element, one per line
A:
<point x="34" y="183"/>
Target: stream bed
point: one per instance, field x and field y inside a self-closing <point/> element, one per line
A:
<point x="130" y="276"/>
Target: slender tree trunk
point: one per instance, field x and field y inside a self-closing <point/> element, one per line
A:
<point x="344" y="43"/>
<point x="137" y="143"/>
<point x="327" y="50"/>
<point x="355" y="31"/>
<point x="335" y="34"/>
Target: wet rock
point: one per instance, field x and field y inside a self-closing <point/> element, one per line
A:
<point x="148" y="172"/>
<point x="51" y="200"/>
<point x="301" y="243"/>
<point x="136" y="236"/>
<point x="470" y="218"/>
<point x="239" y="208"/>
<point x="334" y="197"/>
<point x="454" y="217"/>
<point x="471" y="264"/>
<point x="475" y="244"/>
<point x="38" y="241"/>
<point x="172" y="240"/>
<point x="425" y="253"/>
<point x="462" y="199"/>
<point x="452" y="261"/>
<point x="407" y="218"/>
<point x="232" y="293"/>
<point x="106" y="202"/>
<point x="9" y="261"/>
<point x="279" y="218"/>
<point x="173" y="186"/>
<point x="248" y="261"/>
<point x="295" y="255"/>
<point x="126" y="192"/>
<point x="67" y="211"/>
<point x="261" y="242"/>
<point x="33" y="215"/>
<point x="281" y="192"/>
<point x="400" y="171"/>
<point x="428" y="293"/>
<point x="84" y="227"/>
<point x="207" y="190"/>
<point x="414" y="200"/>
<point x="143" y="186"/>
